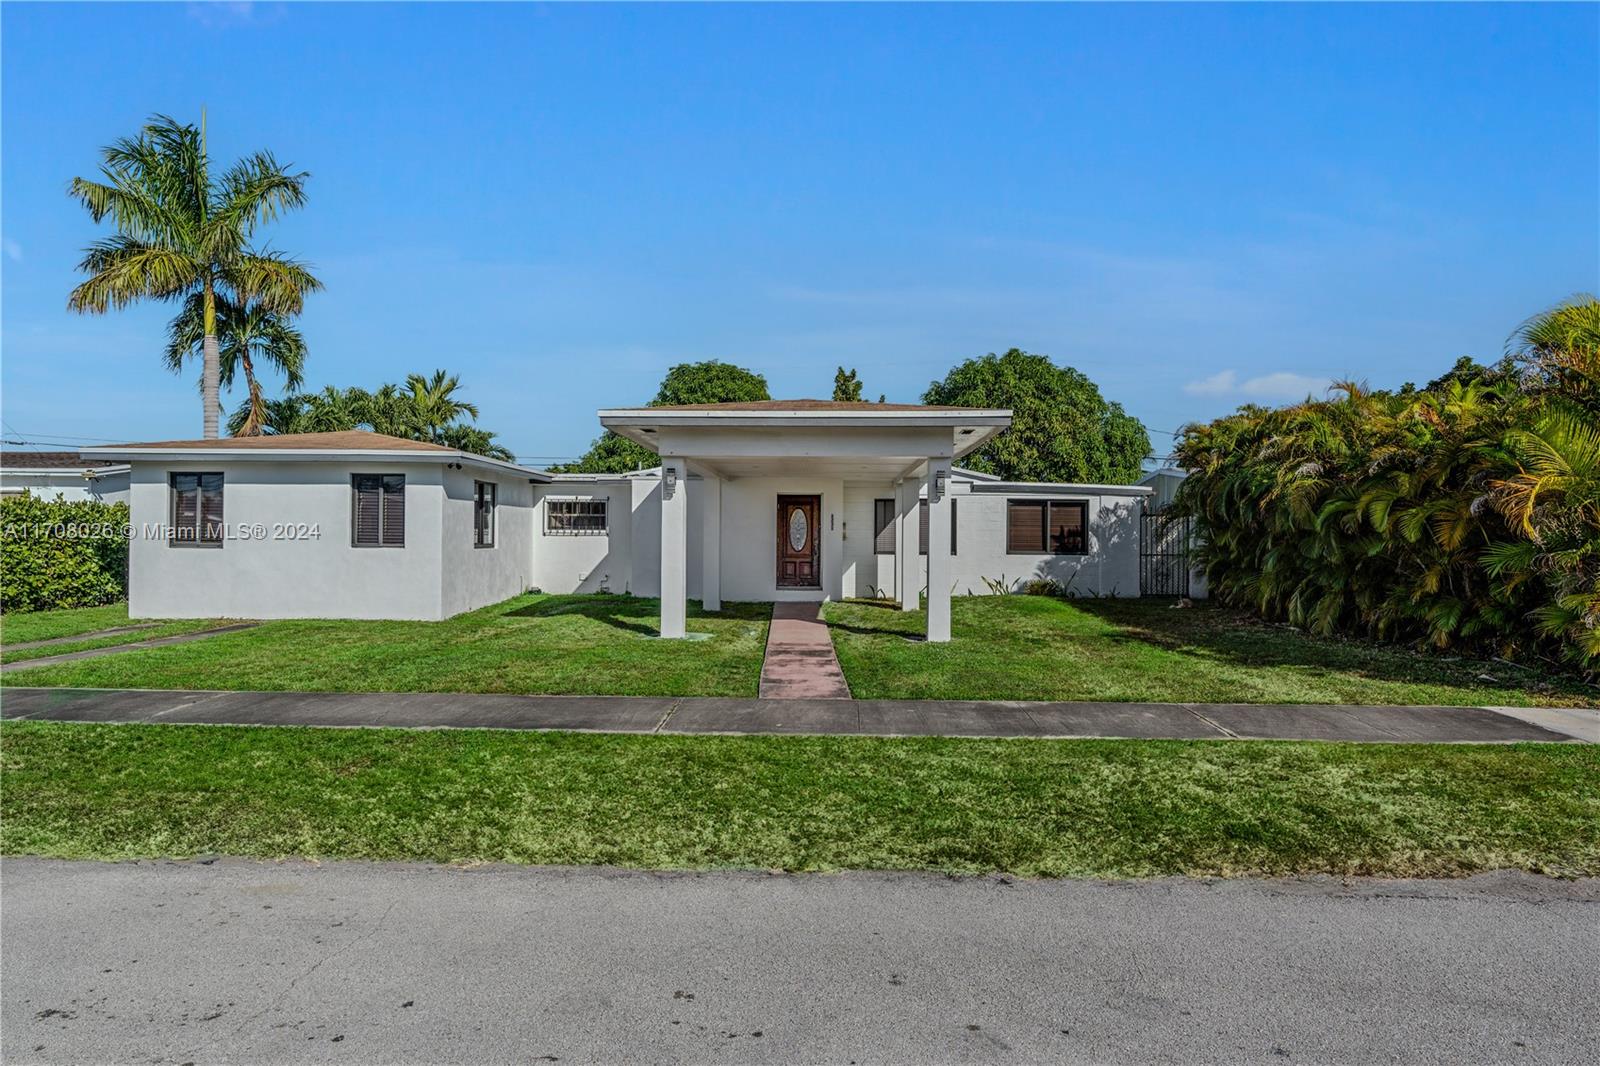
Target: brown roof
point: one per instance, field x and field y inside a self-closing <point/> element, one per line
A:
<point x="800" y="405"/>
<point x="49" y="461"/>
<point x="347" y="440"/>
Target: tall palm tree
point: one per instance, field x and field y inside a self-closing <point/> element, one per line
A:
<point x="181" y="234"/>
<point x="244" y="334"/>
<point x="434" y="403"/>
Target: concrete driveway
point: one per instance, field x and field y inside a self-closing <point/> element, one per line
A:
<point x="345" y="962"/>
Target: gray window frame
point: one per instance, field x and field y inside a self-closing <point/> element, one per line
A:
<point x="355" y="497"/>
<point x="484" y="536"/>
<point x="175" y="541"/>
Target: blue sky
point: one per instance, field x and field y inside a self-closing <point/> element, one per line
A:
<point x="1197" y="206"/>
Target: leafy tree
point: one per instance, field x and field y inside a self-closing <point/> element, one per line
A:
<point x="426" y="409"/>
<point x="244" y="334"/>
<point x="1062" y="429"/>
<point x="434" y="405"/>
<point x="711" y="381"/>
<point x="181" y="234"/>
<point x="847" y="387"/>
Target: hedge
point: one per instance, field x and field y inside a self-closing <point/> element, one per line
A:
<point x="56" y="553"/>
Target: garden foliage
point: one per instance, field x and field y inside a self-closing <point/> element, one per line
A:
<point x="56" y="553"/>
<point x="1465" y="514"/>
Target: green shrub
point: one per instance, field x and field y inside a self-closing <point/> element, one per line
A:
<point x="1462" y="515"/>
<point x="55" y="553"/>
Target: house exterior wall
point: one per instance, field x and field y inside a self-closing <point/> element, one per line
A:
<point x="70" y="485"/>
<point x="1110" y="568"/>
<point x="584" y="562"/>
<point x="474" y="577"/>
<point x="750" y="537"/>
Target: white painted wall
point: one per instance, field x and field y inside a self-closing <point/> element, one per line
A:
<point x="69" y="484"/>
<point x="1111" y="566"/>
<point x="474" y="577"/>
<point x="323" y="576"/>
<point x="584" y="562"/>
<point x="750" y="537"/>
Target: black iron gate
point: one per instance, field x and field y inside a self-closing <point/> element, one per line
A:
<point x="1163" y="555"/>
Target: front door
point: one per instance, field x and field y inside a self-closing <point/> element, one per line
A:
<point x="799" y="547"/>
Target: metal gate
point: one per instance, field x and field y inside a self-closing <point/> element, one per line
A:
<point x="1163" y="555"/>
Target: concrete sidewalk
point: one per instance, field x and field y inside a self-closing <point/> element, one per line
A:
<point x="628" y="714"/>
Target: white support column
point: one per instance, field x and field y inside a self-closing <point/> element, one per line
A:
<point x="939" y="569"/>
<point x="711" y="543"/>
<point x="674" y="546"/>
<point x="907" y="580"/>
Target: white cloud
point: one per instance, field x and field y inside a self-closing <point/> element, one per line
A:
<point x="217" y="14"/>
<point x="1281" y="385"/>
<point x="13" y="250"/>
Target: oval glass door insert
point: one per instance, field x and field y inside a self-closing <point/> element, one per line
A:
<point x="797" y="529"/>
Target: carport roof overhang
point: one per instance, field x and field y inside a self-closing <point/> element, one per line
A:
<point x="817" y="438"/>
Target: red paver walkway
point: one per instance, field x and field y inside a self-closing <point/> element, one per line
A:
<point x="800" y="663"/>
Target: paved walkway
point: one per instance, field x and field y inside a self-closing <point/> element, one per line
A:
<point x="629" y="714"/>
<point x="800" y="662"/>
<point x="95" y="653"/>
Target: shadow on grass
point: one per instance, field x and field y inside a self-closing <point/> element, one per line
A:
<point x="631" y="614"/>
<point x="1238" y="638"/>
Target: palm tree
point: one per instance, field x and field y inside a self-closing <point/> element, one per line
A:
<point x="181" y="234"/>
<point x="244" y="334"/>
<point x="434" y="405"/>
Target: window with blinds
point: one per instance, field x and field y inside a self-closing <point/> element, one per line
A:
<point x="483" y="500"/>
<point x="575" y="517"/>
<point x="882" y="527"/>
<point x="196" y="510"/>
<point x="1047" y="527"/>
<point x="922" y="527"/>
<point x="378" y="510"/>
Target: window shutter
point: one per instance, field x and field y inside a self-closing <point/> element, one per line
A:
<point x="953" y="502"/>
<point x="1067" y="520"/>
<point x="883" y="527"/>
<point x="211" y="508"/>
<point x="185" y="506"/>
<point x="394" y="510"/>
<point x="922" y="527"/>
<point x="367" y="506"/>
<point x="1025" y="527"/>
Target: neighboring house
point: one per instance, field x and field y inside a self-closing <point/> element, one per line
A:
<point x="65" y="474"/>
<point x="787" y="500"/>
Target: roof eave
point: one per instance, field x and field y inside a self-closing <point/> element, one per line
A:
<point x="316" y="455"/>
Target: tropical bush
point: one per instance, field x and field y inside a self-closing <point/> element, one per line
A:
<point x="55" y="553"/>
<point x="1464" y="514"/>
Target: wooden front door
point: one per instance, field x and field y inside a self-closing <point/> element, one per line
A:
<point x="799" y="542"/>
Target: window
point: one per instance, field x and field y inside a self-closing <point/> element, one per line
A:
<point x="575" y="517"/>
<point x="922" y="527"/>
<point x="1047" y="527"/>
<point x="378" y="510"/>
<point x="882" y="527"/>
<point x="483" y="497"/>
<point x="196" y="510"/>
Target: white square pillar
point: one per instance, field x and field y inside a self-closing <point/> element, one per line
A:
<point x="711" y="543"/>
<point x="940" y="572"/>
<point x="907" y="580"/>
<point x="674" y="546"/>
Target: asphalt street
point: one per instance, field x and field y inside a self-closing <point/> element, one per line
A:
<point x="235" y="961"/>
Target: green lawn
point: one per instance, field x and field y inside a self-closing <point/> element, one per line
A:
<point x="1042" y="648"/>
<point x="1032" y="807"/>
<point x="22" y="627"/>
<point x="50" y="625"/>
<point x="536" y="644"/>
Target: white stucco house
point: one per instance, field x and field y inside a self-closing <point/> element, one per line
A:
<point x="49" y="474"/>
<point x="776" y="500"/>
